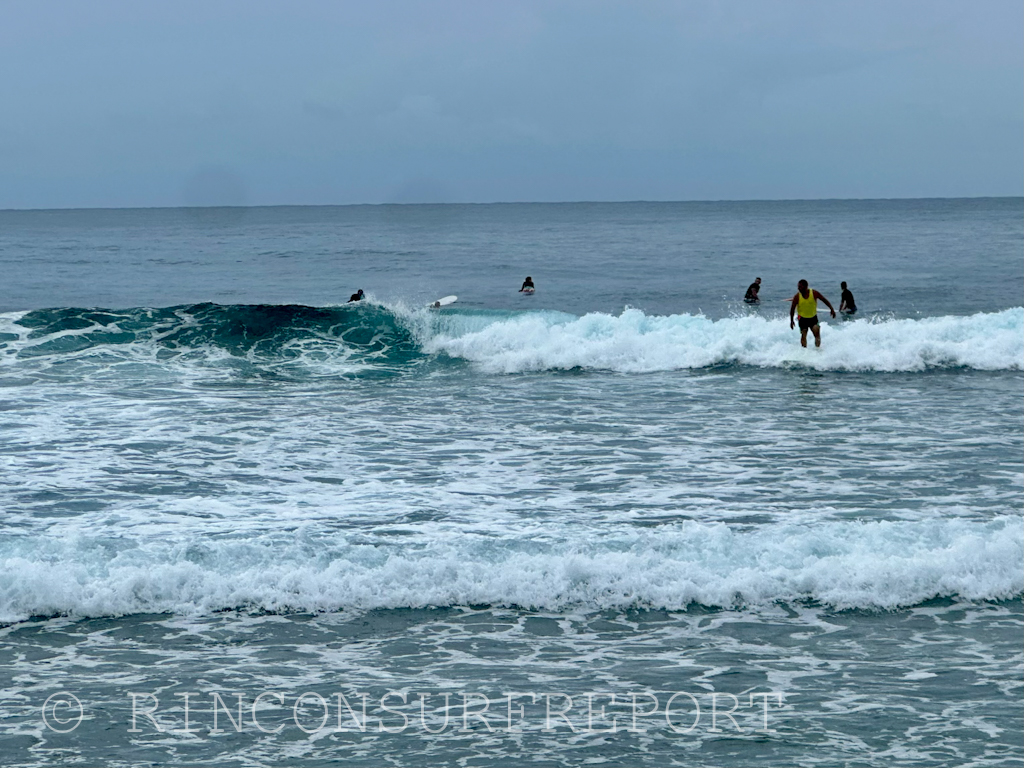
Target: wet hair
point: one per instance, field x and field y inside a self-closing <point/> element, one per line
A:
<point x="802" y="284"/>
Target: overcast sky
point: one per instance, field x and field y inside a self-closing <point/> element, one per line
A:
<point x="199" y="103"/>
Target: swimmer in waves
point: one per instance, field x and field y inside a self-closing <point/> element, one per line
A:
<point x="847" y="305"/>
<point x="751" y="296"/>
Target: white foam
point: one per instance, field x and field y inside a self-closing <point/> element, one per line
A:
<point x="842" y="564"/>
<point x="634" y="342"/>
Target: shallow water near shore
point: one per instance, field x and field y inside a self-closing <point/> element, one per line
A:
<point x="531" y="686"/>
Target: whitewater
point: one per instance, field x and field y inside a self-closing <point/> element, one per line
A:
<point x="841" y="564"/>
<point x="633" y="342"/>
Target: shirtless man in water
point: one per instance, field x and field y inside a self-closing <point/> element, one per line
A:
<point x="805" y="304"/>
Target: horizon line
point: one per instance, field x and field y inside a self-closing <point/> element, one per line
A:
<point x="508" y="202"/>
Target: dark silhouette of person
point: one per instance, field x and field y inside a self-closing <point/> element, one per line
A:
<point x="846" y="303"/>
<point x="751" y="296"/>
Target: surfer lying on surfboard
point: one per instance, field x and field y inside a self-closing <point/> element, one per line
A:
<point x="528" y="286"/>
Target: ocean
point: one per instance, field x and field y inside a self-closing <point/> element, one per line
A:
<point x="625" y="521"/>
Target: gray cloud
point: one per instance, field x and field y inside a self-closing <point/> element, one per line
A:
<point x="120" y="103"/>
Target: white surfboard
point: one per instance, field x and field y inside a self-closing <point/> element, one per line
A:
<point x="527" y="291"/>
<point x="443" y="302"/>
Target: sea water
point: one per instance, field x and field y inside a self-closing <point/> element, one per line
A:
<point x="626" y="521"/>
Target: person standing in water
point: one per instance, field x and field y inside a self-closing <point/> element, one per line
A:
<point x="528" y="286"/>
<point x="805" y="304"/>
<point x="752" y="297"/>
<point x="846" y="303"/>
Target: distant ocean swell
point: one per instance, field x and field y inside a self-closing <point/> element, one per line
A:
<point x="869" y="565"/>
<point x="369" y="337"/>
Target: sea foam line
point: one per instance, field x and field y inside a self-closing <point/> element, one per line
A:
<point x="848" y="564"/>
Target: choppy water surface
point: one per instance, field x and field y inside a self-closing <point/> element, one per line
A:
<point x="219" y="480"/>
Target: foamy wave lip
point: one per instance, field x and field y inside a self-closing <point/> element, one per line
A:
<point x="635" y="343"/>
<point x="872" y="565"/>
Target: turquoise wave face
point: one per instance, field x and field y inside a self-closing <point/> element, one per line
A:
<point x="368" y="334"/>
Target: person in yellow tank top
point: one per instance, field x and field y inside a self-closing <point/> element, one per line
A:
<point x="805" y="304"/>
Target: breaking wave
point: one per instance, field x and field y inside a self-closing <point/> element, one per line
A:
<point x="634" y="342"/>
<point x="871" y="565"/>
<point x="373" y="337"/>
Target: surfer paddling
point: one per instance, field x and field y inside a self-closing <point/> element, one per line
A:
<point x="805" y="304"/>
<point x="357" y="296"/>
<point x="528" y="286"/>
